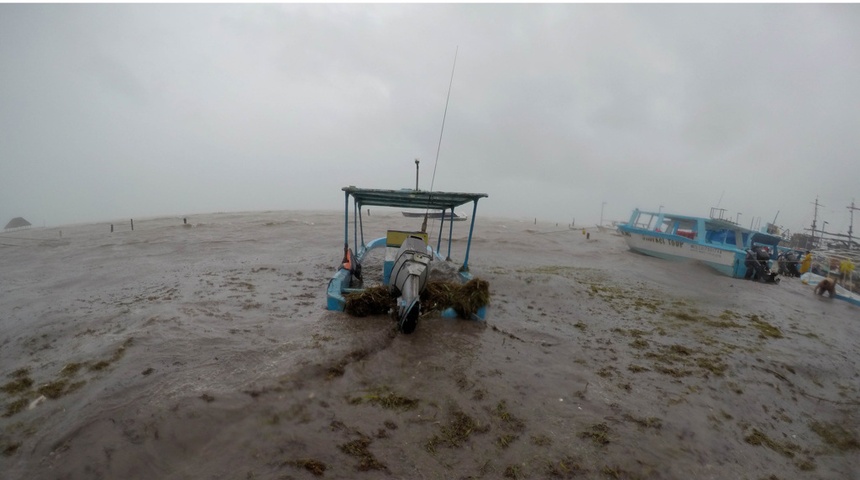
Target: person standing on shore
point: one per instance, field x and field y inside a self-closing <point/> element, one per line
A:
<point x="806" y="263"/>
<point x="846" y="268"/>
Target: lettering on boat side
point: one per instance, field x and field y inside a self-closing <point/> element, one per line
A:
<point x="714" y="252"/>
<point x="664" y="241"/>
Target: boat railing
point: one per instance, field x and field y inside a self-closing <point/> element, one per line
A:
<point x="720" y="214"/>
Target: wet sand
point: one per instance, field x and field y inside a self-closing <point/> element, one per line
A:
<point x="205" y="351"/>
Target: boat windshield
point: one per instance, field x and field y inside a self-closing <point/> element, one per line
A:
<point x="727" y="237"/>
<point x="683" y="227"/>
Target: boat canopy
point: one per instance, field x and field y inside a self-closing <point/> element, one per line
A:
<point x="411" y="198"/>
<point x="407" y="198"/>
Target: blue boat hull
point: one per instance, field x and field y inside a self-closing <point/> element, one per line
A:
<point x="716" y="242"/>
<point x="670" y="247"/>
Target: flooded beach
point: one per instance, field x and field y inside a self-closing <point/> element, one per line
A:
<point x="204" y="350"/>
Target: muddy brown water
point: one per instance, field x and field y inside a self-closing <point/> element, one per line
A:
<point x="205" y="351"/>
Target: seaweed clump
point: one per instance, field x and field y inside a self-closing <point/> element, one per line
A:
<point x="366" y="460"/>
<point x="371" y="301"/>
<point x="316" y="467"/>
<point x="836" y="436"/>
<point x="766" y="329"/>
<point x="469" y="298"/>
<point x="15" y="407"/>
<point x="455" y="432"/>
<point x="18" y="385"/>
<point x="758" y="438"/>
<point x="598" y="433"/>
<point x="465" y="299"/>
<point x="387" y="400"/>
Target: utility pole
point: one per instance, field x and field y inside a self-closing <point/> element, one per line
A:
<point x="601" y="213"/>
<point x="851" y="225"/>
<point x="814" y="219"/>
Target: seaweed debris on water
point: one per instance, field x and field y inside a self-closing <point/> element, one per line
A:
<point x="473" y="295"/>
<point x="455" y="432"/>
<point x="465" y="299"/>
<point x="375" y="300"/>
<point x="835" y="435"/>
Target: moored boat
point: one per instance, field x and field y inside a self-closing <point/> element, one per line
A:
<point x="611" y="229"/>
<point x="842" y="293"/>
<point x="408" y="254"/>
<point x="719" y="243"/>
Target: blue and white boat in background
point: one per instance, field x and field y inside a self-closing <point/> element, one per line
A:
<point x="717" y="242"/>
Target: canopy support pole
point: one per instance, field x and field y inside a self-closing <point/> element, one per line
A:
<point x="358" y="207"/>
<point x="355" y="222"/>
<point x="439" y="241"/>
<point x="465" y="267"/>
<point x="450" y="234"/>
<point x="346" y="219"/>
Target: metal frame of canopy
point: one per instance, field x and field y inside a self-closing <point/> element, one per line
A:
<point x="408" y="199"/>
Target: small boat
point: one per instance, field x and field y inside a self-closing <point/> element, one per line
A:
<point x="436" y="215"/>
<point x="717" y="242"/>
<point x="408" y="254"/>
<point x="611" y="229"/>
<point x="842" y="293"/>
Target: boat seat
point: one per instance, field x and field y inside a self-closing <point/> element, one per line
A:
<point x="395" y="238"/>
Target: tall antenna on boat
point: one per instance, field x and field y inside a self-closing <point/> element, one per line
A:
<point x="439" y="146"/>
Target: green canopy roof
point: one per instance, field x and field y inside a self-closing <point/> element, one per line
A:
<point x="406" y="198"/>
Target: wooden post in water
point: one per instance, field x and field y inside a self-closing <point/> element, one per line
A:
<point x="132" y="224"/>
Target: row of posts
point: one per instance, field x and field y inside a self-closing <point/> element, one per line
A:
<point x="184" y="222"/>
<point x="132" y="226"/>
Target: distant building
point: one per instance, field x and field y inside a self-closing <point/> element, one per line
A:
<point x="801" y="241"/>
<point x="16" y="223"/>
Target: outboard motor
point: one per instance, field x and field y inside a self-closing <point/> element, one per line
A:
<point x="767" y="275"/>
<point x="408" y="279"/>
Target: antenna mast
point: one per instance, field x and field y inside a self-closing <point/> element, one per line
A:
<point x="439" y="146"/>
<point x="814" y="219"/>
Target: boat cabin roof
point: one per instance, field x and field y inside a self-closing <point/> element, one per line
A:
<point x="407" y="198"/>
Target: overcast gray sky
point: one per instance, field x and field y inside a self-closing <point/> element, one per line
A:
<point x="111" y="112"/>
